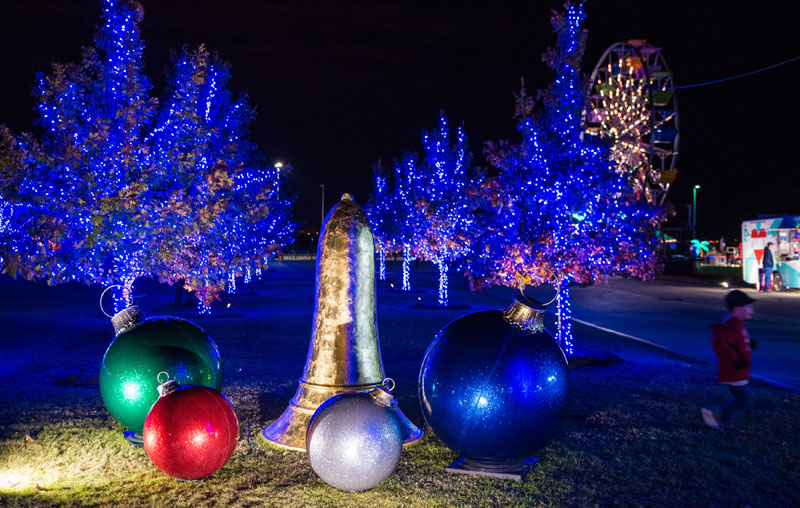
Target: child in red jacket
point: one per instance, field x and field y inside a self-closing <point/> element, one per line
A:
<point x="733" y="347"/>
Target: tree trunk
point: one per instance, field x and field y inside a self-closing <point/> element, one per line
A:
<point x="443" y="300"/>
<point x="406" y="267"/>
<point x="564" y="315"/>
<point x="180" y="293"/>
<point x="381" y="262"/>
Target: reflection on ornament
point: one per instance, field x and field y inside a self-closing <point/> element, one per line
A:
<point x="354" y="439"/>
<point x="494" y="387"/>
<point x="191" y="431"/>
<point x="142" y="349"/>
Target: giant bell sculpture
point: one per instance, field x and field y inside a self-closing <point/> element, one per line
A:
<point x="343" y="354"/>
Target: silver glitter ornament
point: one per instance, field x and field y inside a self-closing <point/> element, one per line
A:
<point x="354" y="439"/>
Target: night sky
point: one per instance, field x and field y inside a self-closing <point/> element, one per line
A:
<point x="339" y="85"/>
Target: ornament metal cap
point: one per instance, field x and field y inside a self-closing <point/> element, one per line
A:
<point x="127" y="319"/>
<point x="168" y="386"/>
<point x="526" y="312"/>
<point x="382" y="394"/>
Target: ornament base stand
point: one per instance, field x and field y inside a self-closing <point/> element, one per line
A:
<point x="134" y="438"/>
<point x="512" y="470"/>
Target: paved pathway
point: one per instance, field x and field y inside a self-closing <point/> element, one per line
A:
<point x="672" y="314"/>
<point x="677" y="315"/>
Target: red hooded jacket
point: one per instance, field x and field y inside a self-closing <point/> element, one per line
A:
<point x="732" y="344"/>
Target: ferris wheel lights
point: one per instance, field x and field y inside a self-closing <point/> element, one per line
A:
<point x="634" y="84"/>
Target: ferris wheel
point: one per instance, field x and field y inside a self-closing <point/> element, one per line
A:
<point x="632" y="101"/>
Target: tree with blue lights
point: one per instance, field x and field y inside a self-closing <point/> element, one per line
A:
<point x="382" y="215"/>
<point x="408" y="209"/>
<point x="17" y="224"/>
<point x="424" y="206"/>
<point x="83" y="180"/>
<point x="441" y="186"/>
<point x="116" y="189"/>
<point x="218" y="212"/>
<point x="559" y="212"/>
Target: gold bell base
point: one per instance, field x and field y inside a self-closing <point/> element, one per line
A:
<point x="289" y="430"/>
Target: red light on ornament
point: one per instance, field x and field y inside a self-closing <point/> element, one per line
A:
<point x="191" y="432"/>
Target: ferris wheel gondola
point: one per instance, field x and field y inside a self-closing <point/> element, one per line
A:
<point x="632" y="101"/>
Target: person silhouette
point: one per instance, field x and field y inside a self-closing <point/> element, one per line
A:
<point x="733" y="347"/>
<point x="768" y="262"/>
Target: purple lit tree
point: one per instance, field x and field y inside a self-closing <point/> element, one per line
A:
<point x="558" y="211"/>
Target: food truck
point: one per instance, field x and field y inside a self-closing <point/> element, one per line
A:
<point x="784" y="233"/>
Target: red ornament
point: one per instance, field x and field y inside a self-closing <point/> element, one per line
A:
<point x="191" y="431"/>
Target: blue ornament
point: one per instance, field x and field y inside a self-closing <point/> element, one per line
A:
<point x="494" y="385"/>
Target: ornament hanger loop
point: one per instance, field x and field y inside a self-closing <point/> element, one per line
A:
<point x="386" y="382"/>
<point x="555" y="285"/>
<point x="104" y="294"/>
<point x="166" y="375"/>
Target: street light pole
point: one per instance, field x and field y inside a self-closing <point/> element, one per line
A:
<point x="278" y="166"/>
<point x="322" y="217"/>
<point x="694" y="206"/>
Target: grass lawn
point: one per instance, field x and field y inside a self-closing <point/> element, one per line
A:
<point x="633" y="436"/>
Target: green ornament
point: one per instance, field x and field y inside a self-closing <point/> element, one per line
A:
<point x="141" y="350"/>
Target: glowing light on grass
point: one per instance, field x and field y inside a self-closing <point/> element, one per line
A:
<point x="13" y="480"/>
<point x="65" y="458"/>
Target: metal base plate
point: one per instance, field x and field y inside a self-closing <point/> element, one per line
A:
<point x="134" y="438"/>
<point x="514" y="472"/>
